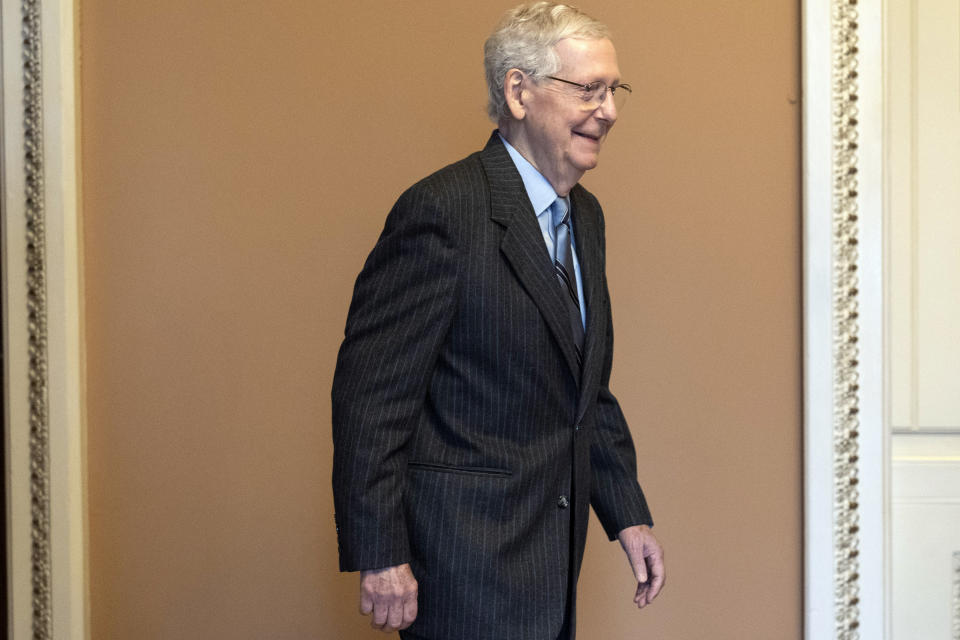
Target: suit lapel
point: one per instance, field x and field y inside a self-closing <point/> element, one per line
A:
<point x="523" y="245"/>
<point x="586" y="230"/>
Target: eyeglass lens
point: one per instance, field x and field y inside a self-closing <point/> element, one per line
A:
<point x="594" y="94"/>
<point x="599" y="94"/>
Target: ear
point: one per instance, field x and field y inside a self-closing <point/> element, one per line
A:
<point x="513" y="93"/>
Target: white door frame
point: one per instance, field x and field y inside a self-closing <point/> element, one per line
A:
<point x="846" y="439"/>
<point x="43" y="424"/>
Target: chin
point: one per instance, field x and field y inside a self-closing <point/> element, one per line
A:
<point x="585" y="164"/>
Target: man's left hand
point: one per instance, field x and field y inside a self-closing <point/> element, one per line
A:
<point x="646" y="559"/>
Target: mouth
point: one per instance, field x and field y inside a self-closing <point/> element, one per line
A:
<point x="588" y="136"/>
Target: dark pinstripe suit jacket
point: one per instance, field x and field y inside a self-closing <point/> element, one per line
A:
<point x="467" y="441"/>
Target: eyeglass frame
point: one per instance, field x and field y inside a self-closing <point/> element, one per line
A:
<point x="586" y="88"/>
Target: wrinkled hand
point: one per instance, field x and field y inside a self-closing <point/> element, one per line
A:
<point x="646" y="558"/>
<point x="390" y="594"/>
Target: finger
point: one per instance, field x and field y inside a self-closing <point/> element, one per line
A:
<point x="366" y="601"/>
<point x="395" y="615"/>
<point x="409" y="611"/>
<point x="656" y="584"/>
<point x="657" y="575"/>
<point x="646" y="593"/>
<point x="384" y="627"/>
<point x="380" y="613"/>
<point x="640" y="599"/>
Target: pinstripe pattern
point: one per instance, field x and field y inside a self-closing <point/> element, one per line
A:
<point x="455" y="401"/>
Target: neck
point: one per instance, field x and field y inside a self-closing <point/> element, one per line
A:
<point x="515" y="135"/>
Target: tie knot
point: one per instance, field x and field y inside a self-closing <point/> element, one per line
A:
<point x="559" y="211"/>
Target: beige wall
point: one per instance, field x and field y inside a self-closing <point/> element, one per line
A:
<point x="238" y="160"/>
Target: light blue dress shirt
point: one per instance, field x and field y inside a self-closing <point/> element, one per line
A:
<point x="541" y="196"/>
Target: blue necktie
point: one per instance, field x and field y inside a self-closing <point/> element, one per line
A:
<point x="563" y="264"/>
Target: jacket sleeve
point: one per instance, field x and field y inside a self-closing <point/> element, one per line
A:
<point x="403" y="303"/>
<point x="615" y="494"/>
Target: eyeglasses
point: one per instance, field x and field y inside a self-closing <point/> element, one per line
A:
<point x="594" y="93"/>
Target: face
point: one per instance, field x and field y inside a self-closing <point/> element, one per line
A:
<point x="562" y="138"/>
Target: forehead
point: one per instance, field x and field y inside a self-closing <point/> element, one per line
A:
<point x="588" y="60"/>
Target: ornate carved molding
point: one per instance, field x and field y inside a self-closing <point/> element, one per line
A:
<point x="846" y="387"/>
<point x="39" y="440"/>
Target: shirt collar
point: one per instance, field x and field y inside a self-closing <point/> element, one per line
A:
<point x="539" y="190"/>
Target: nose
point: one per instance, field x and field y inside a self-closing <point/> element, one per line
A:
<point x="607" y="109"/>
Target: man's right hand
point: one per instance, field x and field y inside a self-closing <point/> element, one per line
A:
<point x="390" y="594"/>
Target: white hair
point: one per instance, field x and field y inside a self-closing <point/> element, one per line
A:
<point x="525" y="39"/>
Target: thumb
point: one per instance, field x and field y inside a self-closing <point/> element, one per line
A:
<point x="640" y="569"/>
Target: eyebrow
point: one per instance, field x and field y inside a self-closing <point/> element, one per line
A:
<point x="615" y="83"/>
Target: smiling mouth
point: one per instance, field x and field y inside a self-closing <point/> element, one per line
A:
<point x="587" y="136"/>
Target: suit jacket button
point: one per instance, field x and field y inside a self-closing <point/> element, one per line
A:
<point x="563" y="503"/>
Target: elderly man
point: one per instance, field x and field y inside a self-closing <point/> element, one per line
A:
<point x="472" y="420"/>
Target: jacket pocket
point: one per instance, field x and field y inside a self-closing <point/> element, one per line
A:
<point x="492" y="472"/>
